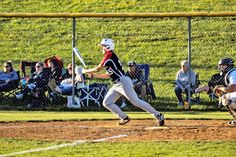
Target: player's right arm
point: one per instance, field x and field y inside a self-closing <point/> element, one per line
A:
<point x="95" y="69"/>
<point x="101" y="76"/>
<point x="99" y="68"/>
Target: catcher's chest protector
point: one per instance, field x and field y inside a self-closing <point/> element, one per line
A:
<point x="227" y="76"/>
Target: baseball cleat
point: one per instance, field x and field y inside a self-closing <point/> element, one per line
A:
<point x="233" y="122"/>
<point x="160" y="119"/>
<point x="124" y="121"/>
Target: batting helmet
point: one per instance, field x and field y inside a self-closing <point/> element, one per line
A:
<point x="107" y="43"/>
<point x="226" y="61"/>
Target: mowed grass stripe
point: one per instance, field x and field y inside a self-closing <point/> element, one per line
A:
<point x="14" y="116"/>
<point x="175" y="148"/>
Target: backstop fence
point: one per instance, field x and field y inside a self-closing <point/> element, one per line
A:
<point x="161" y="40"/>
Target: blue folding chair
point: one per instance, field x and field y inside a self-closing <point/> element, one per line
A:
<point x="146" y="73"/>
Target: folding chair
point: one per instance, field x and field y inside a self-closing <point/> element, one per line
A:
<point x="195" y="98"/>
<point x="146" y="73"/>
<point x="87" y="94"/>
<point x="11" y="92"/>
<point x="92" y="93"/>
<point x="24" y="68"/>
<point x="149" y="94"/>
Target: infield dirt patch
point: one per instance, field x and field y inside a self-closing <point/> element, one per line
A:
<point x="137" y="130"/>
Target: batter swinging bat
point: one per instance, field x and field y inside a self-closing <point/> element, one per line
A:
<point x="76" y="51"/>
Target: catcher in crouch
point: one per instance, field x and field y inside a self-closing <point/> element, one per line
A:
<point x="227" y="94"/>
<point x="122" y="85"/>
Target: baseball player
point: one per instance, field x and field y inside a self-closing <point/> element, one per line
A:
<point x="228" y="94"/>
<point x="122" y="85"/>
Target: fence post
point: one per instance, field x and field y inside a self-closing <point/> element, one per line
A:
<point x="189" y="61"/>
<point x="73" y="60"/>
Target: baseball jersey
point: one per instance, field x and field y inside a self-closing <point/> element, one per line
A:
<point x="112" y="64"/>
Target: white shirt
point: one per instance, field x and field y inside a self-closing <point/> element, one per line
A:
<point x="232" y="80"/>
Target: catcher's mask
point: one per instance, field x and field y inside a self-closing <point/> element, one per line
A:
<point x="229" y="62"/>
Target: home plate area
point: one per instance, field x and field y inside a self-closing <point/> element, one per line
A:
<point x="136" y="130"/>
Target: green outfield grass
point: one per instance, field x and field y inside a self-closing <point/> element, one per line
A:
<point x="116" y="6"/>
<point x="131" y="149"/>
<point x="11" y="116"/>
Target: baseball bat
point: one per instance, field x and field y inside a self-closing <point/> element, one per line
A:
<point x="76" y="51"/>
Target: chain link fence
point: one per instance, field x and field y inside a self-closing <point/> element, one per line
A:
<point x="162" y="43"/>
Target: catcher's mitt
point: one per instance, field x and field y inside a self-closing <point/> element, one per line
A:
<point x="218" y="92"/>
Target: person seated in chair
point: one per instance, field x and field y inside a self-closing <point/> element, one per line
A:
<point x="56" y="71"/>
<point x="68" y="73"/>
<point x="182" y="82"/>
<point x="8" y="77"/>
<point x="37" y="82"/>
<point x="66" y="85"/>
<point x="137" y="78"/>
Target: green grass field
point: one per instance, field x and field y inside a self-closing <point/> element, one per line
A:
<point x="107" y="149"/>
<point x="12" y="116"/>
<point x="116" y="6"/>
<point x="164" y="148"/>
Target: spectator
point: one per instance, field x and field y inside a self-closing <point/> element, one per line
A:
<point x="55" y="71"/>
<point x="136" y="75"/>
<point x="8" y="77"/>
<point x="38" y="80"/>
<point x="182" y="81"/>
<point x="66" y="85"/>
<point x="68" y="73"/>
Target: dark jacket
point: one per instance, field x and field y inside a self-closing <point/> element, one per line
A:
<point x="39" y="79"/>
<point x="56" y="74"/>
<point x="66" y="75"/>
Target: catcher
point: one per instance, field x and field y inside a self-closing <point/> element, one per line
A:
<point x="227" y="95"/>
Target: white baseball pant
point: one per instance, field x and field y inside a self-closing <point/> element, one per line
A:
<point x="125" y="87"/>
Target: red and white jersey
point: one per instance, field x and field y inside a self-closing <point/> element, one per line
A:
<point x="112" y="64"/>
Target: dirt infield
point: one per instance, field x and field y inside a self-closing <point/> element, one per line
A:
<point x="137" y="130"/>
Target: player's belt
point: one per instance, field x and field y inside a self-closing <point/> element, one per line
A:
<point x="116" y="81"/>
